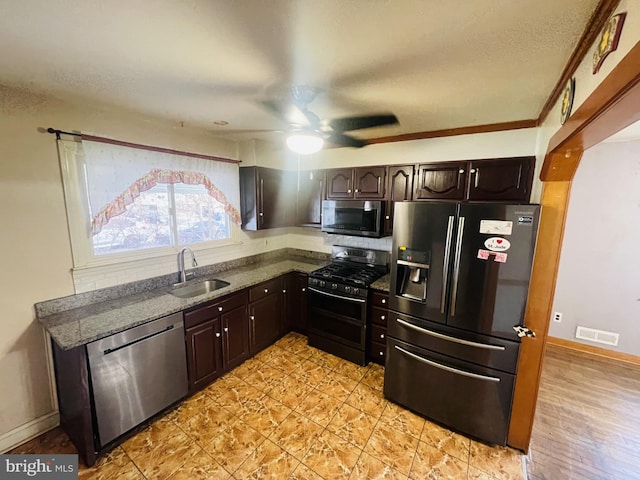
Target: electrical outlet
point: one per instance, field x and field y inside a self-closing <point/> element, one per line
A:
<point x="557" y="317"/>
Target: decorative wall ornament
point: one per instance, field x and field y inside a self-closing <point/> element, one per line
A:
<point x="608" y="41"/>
<point x="567" y="100"/>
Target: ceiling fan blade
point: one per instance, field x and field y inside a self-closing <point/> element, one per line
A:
<point x="356" y="123"/>
<point x="288" y="114"/>
<point x="343" y="140"/>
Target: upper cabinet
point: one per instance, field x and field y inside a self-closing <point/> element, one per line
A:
<point x="271" y="198"/>
<point x="501" y="179"/>
<point x="504" y="179"/>
<point x="267" y="198"/>
<point x="362" y="183"/>
<point x="310" y="185"/>
<point x="441" y="181"/>
<point x="399" y="189"/>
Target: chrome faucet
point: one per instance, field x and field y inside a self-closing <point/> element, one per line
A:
<point x="182" y="274"/>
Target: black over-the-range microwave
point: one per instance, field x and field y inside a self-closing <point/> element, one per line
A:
<point x="362" y="218"/>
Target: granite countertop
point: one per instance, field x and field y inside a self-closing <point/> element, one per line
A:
<point x="382" y="283"/>
<point x="79" y="326"/>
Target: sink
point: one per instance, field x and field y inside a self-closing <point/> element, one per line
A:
<point x="193" y="289"/>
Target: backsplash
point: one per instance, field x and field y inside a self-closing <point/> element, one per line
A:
<point x="58" y="305"/>
<point x="253" y="243"/>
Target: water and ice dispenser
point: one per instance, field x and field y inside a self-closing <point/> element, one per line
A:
<point x="412" y="269"/>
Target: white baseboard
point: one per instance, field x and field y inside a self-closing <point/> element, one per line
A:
<point x="26" y="432"/>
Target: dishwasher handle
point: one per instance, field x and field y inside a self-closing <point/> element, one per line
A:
<point x="131" y="336"/>
<point x="138" y="340"/>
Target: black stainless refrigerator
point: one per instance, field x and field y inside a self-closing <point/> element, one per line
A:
<point x="459" y="281"/>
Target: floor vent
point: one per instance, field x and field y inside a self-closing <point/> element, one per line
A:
<point x="599" y="336"/>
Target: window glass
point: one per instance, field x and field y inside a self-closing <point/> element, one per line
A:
<point x="145" y="224"/>
<point x="199" y="216"/>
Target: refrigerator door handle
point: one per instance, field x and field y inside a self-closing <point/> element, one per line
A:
<point x="456" y="265"/>
<point x="451" y="339"/>
<point x="445" y="266"/>
<point x="447" y="368"/>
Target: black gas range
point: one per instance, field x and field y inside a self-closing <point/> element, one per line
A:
<point x="338" y="296"/>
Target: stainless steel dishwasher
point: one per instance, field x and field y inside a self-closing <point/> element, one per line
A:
<point x="137" y="373"/>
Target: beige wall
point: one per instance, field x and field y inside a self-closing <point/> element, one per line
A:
<point x="34" y="242"/>
<point x="593" y="292"/>
<point x="598" y="277"/>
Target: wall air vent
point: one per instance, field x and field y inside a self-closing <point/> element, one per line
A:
<point x="598" y="336"/>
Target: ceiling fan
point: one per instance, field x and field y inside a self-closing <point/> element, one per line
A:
<point x="308" y="132"/>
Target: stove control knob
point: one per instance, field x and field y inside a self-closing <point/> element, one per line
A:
<point x="322" y="283"/>
<point x="356" y="291"/>
<point x="347" y="289"/>
<point x="334" y="286"/>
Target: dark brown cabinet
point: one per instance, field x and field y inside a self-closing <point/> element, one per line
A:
<point x="217" y="338"/>
<point x="204" y="355"/>
<point x="235" y="336"/>
<point x="441" y="181"/>
<point x="502" y="179"/>
<point x="339" y="183"/>
<point x="310" y="185"/>
<point x="295" y="301"/>
<point x="378" y="318"/>
<point x="399" y="189"/>
<point x="266" y="321"/>
<point x="267" y="198"/>
<point x="361" y="183"/>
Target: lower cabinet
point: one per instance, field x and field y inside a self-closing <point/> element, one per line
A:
<point x="266" y="319"/>
<point x="295" y="301"/>
<point x="378" y="317"/>
<point x="204" y="354"/>
<point x="217" y="338"/>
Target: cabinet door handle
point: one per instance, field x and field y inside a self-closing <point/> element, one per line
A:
<point x="304" y="289"/>
<point x="384" y="300"/>
<point x="387" y="217"/>
<point x="219" y="309"/>
<point x="462" y="170"/>
<point x="253" y="317"/>
<point x="261" y="214"/>
<point x="382" y="335"/>
<point x="284" y="290"/>
<point x="349" y="190"/>
<point x="226" y="329"/>
<point x="266" y="290"/>
<point x="217" y="334"/>
<point x="357" y="190"/>
<point x="473" y="170"/>
<point x="381" y="353"/>
<point x="382" y="317"/>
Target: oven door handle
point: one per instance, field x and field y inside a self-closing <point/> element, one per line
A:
<point x="451" y="339"/>
<point x="357" y="300"/>
<point x="447" y="368"/>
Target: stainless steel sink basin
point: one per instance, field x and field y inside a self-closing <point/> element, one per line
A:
<point x="193" y="289"/>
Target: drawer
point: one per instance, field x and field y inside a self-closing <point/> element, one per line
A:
<point x="380" y="299"/>
<point x="461" y="395"/>
<point x="377" y="352"/>
<point x="378" y="334"/>
<point x="212" y="310"/>
<point x="265" y="288"/>
<point x="379" y="316"/>
<point x="480" y="349"/>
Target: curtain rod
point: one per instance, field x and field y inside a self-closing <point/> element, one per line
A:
<point x="93" y="138"/>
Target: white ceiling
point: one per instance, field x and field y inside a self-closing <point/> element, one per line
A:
<point x="435" y="64"/>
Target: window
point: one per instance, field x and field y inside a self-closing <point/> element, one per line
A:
<point x="123" y="201"/>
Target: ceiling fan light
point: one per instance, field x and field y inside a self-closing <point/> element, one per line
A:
<point x="305" y="143"/>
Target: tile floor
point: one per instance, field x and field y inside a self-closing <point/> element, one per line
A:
<point x="293" y="412"/>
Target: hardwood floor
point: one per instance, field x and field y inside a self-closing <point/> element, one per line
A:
<point x="587" y="423"/>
